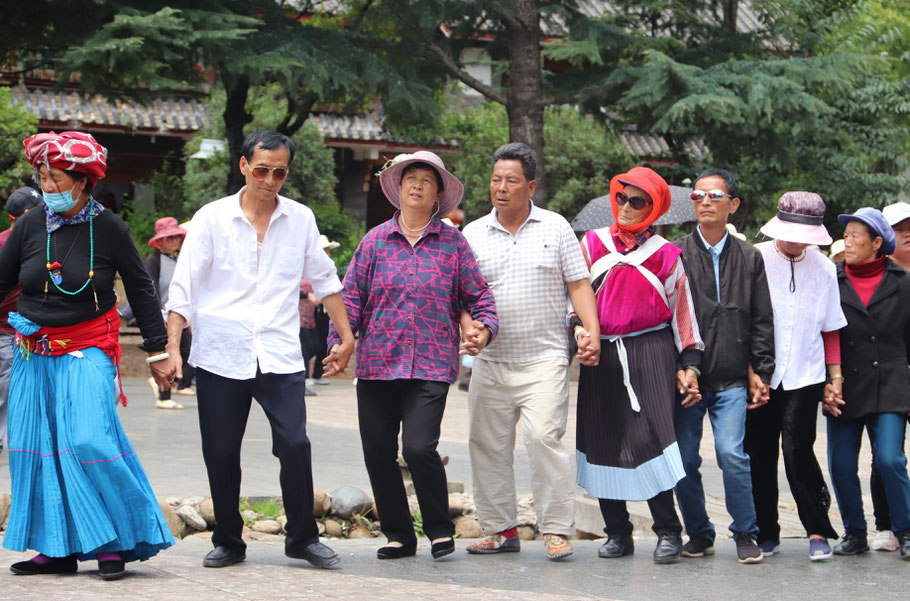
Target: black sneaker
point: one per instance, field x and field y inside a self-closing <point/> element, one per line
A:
<point x="747" y="551"/>
<point x="617" y="546"/>
<point x="904" y="542"/>
<point x="698" y="546"/>
<point x="852" y="545"/>
<point x="668" y="548"/>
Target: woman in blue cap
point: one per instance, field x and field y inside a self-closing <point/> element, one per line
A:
<point x="872" y="394"/>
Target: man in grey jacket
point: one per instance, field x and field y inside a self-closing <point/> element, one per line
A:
<point x="733" y="308"/>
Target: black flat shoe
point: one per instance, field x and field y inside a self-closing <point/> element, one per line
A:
<point x="112" y="570"/>
<point x="442" y="548"/>
<point x="317" y="554"/>
<point x="616" y="546"/>
<point x="222" y="556"/>
<point x="397" y="552"/>
<point x="56" y="565"/>
<point x="669" y="546"/>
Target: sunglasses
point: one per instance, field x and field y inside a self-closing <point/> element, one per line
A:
<point x="279" y="173"/>
<point x="714" y="195"/>
<point x="637" y="202"/>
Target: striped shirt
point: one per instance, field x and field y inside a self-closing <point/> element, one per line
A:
<point x="528" y="273"/>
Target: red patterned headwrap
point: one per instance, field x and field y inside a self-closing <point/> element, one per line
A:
<point x="649" y="181"/>
<point x="70" y="151"/>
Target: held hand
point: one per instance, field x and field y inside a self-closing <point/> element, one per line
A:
<point x="474" y="338"/>
<point x="759" y="392"/>
<point x="833" y="398"/>
<point x="167" y="371"/>
<point x="588" y="347"/>
<point x="338" y="358"/>
<point x="687" y="384"/>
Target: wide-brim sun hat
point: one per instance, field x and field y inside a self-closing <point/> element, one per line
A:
<point x="800" y="219"/>
<point x="325" y="243"/>
<point x="874" y="219"/>
<point x="837" y="247"/>
<point x="390" y="180"/>
<point x="164" y="228"/>
<point x="896" y="213"/>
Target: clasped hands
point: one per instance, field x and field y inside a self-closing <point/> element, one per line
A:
<point x="474" y="338"/>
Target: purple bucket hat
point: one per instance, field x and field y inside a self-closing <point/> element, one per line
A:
<point x="390" y="180"/>
<point x="800" y="219"/>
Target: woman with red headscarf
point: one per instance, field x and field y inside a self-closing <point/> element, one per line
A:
<point x="626" y="444"/>
<point x="78" y="490"/>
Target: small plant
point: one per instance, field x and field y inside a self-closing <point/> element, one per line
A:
<point x="269" y="508"/>
<point x="418" y="525"/>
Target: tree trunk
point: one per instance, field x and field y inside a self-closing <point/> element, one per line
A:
<point x="525" y="108"/>
<point x="731" y="7"/>
<point x="235" y="118"/>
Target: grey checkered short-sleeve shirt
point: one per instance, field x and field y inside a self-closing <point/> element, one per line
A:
<point x="527" y="274"/>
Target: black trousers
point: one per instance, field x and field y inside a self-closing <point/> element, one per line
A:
<point x="880" y="505"/>
<point x="322" y="335"/>
<point x="416" y="407"/>
<point x="224" y="407"/>
<point x="663" y="512"/>
<point x="309" y="347"/>
<point x="788" y="422"/>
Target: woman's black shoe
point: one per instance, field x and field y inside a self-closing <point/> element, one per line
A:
<point x="112" y="570"/>
<point x="56" y="565"/>
<point x="396" y="552"/>
<point x="442" y="548"/>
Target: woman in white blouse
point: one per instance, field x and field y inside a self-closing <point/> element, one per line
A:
<point x="807" y="315"/>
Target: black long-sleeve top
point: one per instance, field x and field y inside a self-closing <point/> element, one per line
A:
<point x="23" y="259"/>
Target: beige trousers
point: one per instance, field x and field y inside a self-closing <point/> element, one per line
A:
<point x="536" y="395"/>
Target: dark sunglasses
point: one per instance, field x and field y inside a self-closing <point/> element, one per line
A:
<point x="279" y="173"/>
<point x="637" y="202"/>
<point x="714" y="195"/>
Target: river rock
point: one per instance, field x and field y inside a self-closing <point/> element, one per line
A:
<point x="194" y="501"/>
<point x="266" y="526"/>
<point x="526" y="514"/>
<point x="348" y="501"/>
<point x="174" y="523"/>
<point x="207" y="511"/>
<point x="322" y="503"/>
<point x="527" y="533"/>
<point x="456" y="506"/>
<point x="468" y="528"/>
<point x="359" y="531"/>
<point x="249" y="515"/>
<point x="5" y="500"/>
<point x="192" y="518"/>
<point x="333" y="528"/>
<point x="283" y="522"/>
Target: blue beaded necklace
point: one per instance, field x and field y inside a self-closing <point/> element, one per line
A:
<point x="54" y="278"/>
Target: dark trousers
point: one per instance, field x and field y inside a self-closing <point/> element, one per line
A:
<point x="189" y="372"/>
<point x="309" y="347"/>
<point x="788" y="421"/>
<point x="879" y="497"/>
<point x="416" y="406"/>
<point x="224" y="406"/>
<point x="322" y="335"/>
<point x="663" y="512"/>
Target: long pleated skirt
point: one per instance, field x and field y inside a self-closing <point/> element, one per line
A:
<point x="622" y="453"/>
<point x="77" y="485"/>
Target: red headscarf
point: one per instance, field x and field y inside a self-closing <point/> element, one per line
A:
<point x="70" y="151"/>
<point x="649" y="181"/>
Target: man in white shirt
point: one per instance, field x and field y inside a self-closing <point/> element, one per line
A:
<point x="528" y="256"/>
<point x="237" y="281"/>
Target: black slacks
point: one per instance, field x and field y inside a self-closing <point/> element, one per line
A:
<point x="224" y="407"/>
<point x="788" y="422"/>
<point x="663" y="512"/>
<point x="415" y="407"/>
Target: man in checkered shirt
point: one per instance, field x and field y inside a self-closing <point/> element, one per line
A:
<point x="529" y="257"/>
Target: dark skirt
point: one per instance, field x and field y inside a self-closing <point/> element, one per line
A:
<point x="622" y="453"/>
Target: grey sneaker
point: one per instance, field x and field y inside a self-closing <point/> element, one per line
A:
<point x="769" y="547"/>
<point x="746" y="549"/>
<point x="698" y="546"/>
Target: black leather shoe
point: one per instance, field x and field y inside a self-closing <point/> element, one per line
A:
<point x="442" y="548"/>
<point x="396" y="552"/>
<point x="617" y="546"/>
<point x="112" y="570"/>
<point x="852" y="545"/>
<point x="56" y="565"/>
<point x="317" y="554"/>
<point x="222" y="556"/>
<point x="904" y="542"/>
<point x="668" y="548"/>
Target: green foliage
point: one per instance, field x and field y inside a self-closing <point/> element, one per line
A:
<point x="418" y="525"/>
<point x="268" y="508"/>
<point x="16" y="124"/>
<point x="582" y="155"/>
<point x="141" y="220"/>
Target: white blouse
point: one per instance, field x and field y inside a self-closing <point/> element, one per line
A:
<point x="801" y="316"/>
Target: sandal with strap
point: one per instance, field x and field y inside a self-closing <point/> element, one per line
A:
<point x="168" y="405"/>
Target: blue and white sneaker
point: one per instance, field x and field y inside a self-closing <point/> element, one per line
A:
<point x="819" y="549"/>
<point x="769" y="547"/>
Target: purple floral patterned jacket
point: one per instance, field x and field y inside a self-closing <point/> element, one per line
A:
<point x="405" y="302"/>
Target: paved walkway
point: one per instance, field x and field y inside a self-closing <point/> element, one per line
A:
<point x="168" y="444"/>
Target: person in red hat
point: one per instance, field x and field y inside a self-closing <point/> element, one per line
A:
<point x="160" y="264"/>
<point x="626" y="445"/>
<point x="78" y="489"/>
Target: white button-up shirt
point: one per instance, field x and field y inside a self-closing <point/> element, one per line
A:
<point x="800" y="317"/>
<point x="528" y="273"/>
<point x="242" y="302"/>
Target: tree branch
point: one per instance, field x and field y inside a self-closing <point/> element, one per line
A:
<point x="464" y="76"/>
